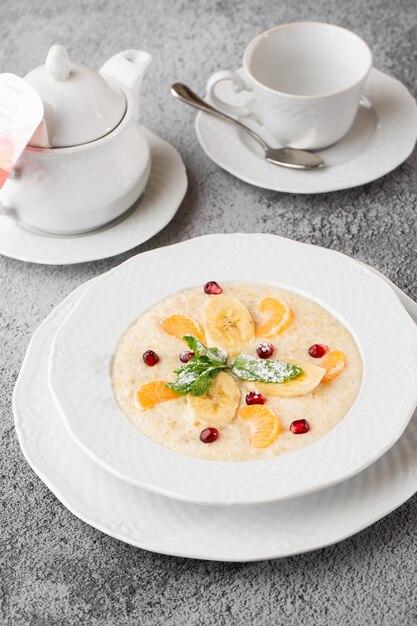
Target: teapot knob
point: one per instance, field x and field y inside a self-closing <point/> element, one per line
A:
<point x="57" y="62"/>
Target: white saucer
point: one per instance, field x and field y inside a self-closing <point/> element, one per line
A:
<point x="163" y="195"/>
<point x="382" y="137"/>
<point x="171" y="527"/>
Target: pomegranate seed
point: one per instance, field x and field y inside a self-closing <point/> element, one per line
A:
<point x="254" y="397"/>
<point x="212" y="288"/>
<point x="208" y="435"/>
<point x="150" y="357"/>
<point x="265" y="350"/>
<point x="317" y="350"/>
<point x="186" y="356"/>
<point x="299" y="427"/>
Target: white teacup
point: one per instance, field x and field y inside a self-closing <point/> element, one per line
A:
<point x="306" y="79"/>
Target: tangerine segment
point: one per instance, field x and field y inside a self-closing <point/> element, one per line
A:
<point x="153" y="393"/>
<point x="276" y="317"/>
<point x="264" y="425"/>
<point x="180" y="325"/>
<point x="333" y="362"/>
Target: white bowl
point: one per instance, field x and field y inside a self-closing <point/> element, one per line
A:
<point x="84" y="345"/>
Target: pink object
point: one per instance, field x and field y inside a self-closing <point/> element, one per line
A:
<point x="21" y="111"/>
<point x="208" y="435"/>
<point x="299" y="427"/>
<point x="186" y="356"/>
<point x="212" y="288"/>
<point x="265" y="350"/>
<point x="150" y="358"/>
<point x="254" y="397"/>
<point x="317" y="350"/>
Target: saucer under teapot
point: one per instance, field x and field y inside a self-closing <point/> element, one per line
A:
<point x="88" y="161"/>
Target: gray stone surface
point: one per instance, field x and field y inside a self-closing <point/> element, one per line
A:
<point x="55" y="568"/>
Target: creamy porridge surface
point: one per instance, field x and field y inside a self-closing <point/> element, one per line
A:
<point x="171" y="424"/>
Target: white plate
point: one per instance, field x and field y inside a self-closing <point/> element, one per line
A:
<point x="167" y="526"/>
<point x="163" y="195"/>
<point x="84" y="345"/>
<point x="383" y="136"/>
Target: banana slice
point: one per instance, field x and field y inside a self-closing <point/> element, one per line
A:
<point x="300" y="386"/>
<point x="229" y="324"/>
<point x="218" y="406"/>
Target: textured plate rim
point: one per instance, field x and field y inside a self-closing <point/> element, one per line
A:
<point x="187" y="552"/>
<point x="178" y="492"/>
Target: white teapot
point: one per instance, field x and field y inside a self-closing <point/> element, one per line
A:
<point x="88" y="162"/>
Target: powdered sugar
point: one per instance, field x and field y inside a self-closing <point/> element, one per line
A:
<point x="264" y="370"/>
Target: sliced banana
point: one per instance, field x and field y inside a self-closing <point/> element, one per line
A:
<point x="218" y="406"/>
<point x="229" y="324"/>
<point x="300" y="386"/>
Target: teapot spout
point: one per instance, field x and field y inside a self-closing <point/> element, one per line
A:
<point x="127" y="69"/>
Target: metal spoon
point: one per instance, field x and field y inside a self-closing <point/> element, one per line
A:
<point x="286" y="157"/>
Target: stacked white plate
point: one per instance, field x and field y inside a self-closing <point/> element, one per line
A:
<point x="113" y="477"/>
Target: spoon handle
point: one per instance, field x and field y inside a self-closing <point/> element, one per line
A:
<point x="184" y="93"/>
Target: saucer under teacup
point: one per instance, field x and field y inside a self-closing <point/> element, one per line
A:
<point x="163" y="195"/>
<point x="382" y="136"/>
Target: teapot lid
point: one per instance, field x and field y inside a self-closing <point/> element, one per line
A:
<point x="79" y="105"/>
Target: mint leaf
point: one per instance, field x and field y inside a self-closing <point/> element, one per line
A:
<point x="247" y="367"/>
<point x="213" y="354"/>
<point x="194" y="344"/>
<point x="203" y="383"/>
<point x="196" y="381"/>
<point x="196" y="376"/>
<point x="217" y="356"/>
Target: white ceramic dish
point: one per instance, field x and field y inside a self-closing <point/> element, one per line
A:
<point x="164" y="193"/>
<point x="84" y="345"/>
<point x="305" y="78"/>
<point x="92" y="163"/>
<point x="383" y="135"/>
<point x="163" y="525"/>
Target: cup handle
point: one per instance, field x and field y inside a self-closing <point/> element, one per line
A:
<point x="238" y="86"/>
